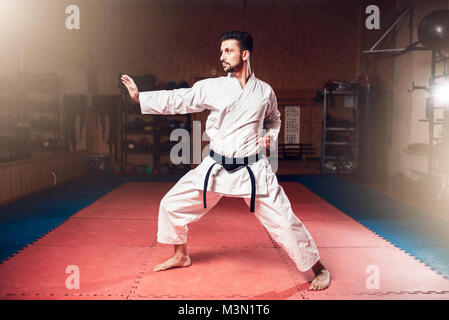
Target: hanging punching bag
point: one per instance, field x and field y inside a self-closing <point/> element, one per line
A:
<point x="372" y="127"/>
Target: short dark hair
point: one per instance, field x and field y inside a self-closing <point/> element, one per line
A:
<point x="244" y="39"/>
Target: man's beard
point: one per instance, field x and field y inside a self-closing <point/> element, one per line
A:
<point x="235" y="68"/>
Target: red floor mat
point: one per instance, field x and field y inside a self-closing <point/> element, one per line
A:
<point x="342" y="233"/>
<point x="319" y="212"/>
<point x="112" y="210"/>
<point x="229" y="273"/>
<point x="226" y="233"/>
<point x="109" y="272"/>
<point x="112" y="242"/>
<point x="100" y="233"/>
<point x="353" y="268"/>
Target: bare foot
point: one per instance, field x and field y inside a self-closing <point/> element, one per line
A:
<point x="322" y="277"/>
<point x="173" y="262"/>
<point x="321" y="281"/>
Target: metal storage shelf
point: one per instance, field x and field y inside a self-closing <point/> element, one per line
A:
<point x="157" y="133"/>
<point x="343" y="152"/>
<point x="20" y="129"/>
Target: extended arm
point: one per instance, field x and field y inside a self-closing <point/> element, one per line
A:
<point x="177" y="101"/>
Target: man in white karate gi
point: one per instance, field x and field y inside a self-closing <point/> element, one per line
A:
<point x="242" y="108"/>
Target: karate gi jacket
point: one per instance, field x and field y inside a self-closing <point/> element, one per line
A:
<point x="238" y="118"/>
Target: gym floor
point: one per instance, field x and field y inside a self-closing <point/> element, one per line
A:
<point x="104" y="227"/>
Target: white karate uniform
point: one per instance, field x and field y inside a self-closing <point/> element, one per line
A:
<point x="238" y="117"/>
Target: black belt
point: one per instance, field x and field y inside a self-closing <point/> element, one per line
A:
<point x="231" y="164"/>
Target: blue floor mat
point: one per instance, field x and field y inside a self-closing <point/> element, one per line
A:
<point x="421" y="234"/>
<point x="16" y="234"/>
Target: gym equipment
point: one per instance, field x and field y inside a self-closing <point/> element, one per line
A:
<point x="330" y="165"/>
<point x="143" y="144"/>
<point x="137" y="124"/>
<point x="176" y="124"/>
<point x="141" y="169"/>
<point x="129" y="168"/>
<point x="170" y="85"/>
<point x="433" y="30"/>
<point x="182" y="84"/>
<point x="348" y="165"/>
<point x="131" y="145"/>
<point x="165" y="170"/>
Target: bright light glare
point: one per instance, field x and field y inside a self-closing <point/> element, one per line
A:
<point x="441" y="94"/>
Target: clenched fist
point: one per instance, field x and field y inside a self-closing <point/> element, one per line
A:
<point x="265" y="141"/>
<point x="131" y="86"/>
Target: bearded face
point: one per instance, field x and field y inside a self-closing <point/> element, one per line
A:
<point x="231" y="56"/>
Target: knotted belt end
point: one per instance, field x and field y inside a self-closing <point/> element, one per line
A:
<point x="231" y="164"/>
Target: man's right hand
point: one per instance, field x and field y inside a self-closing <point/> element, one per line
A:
<point x="131" y="86"/>
<point x="265" y="141"/>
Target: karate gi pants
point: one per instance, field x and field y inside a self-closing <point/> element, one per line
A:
<point x="183" y="204"/>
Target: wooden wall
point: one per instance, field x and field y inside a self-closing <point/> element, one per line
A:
<point x="298" y="46"/>
<point x="25" y="177"/>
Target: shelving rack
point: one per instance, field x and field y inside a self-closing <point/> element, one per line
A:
<point x="37" y="121"/>
<point x="339" y="143"/>
<point x="437" y="151"/>
<point x="155" y="128"/>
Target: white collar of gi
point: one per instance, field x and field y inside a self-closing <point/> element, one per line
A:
<point x="251" y="76"/>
